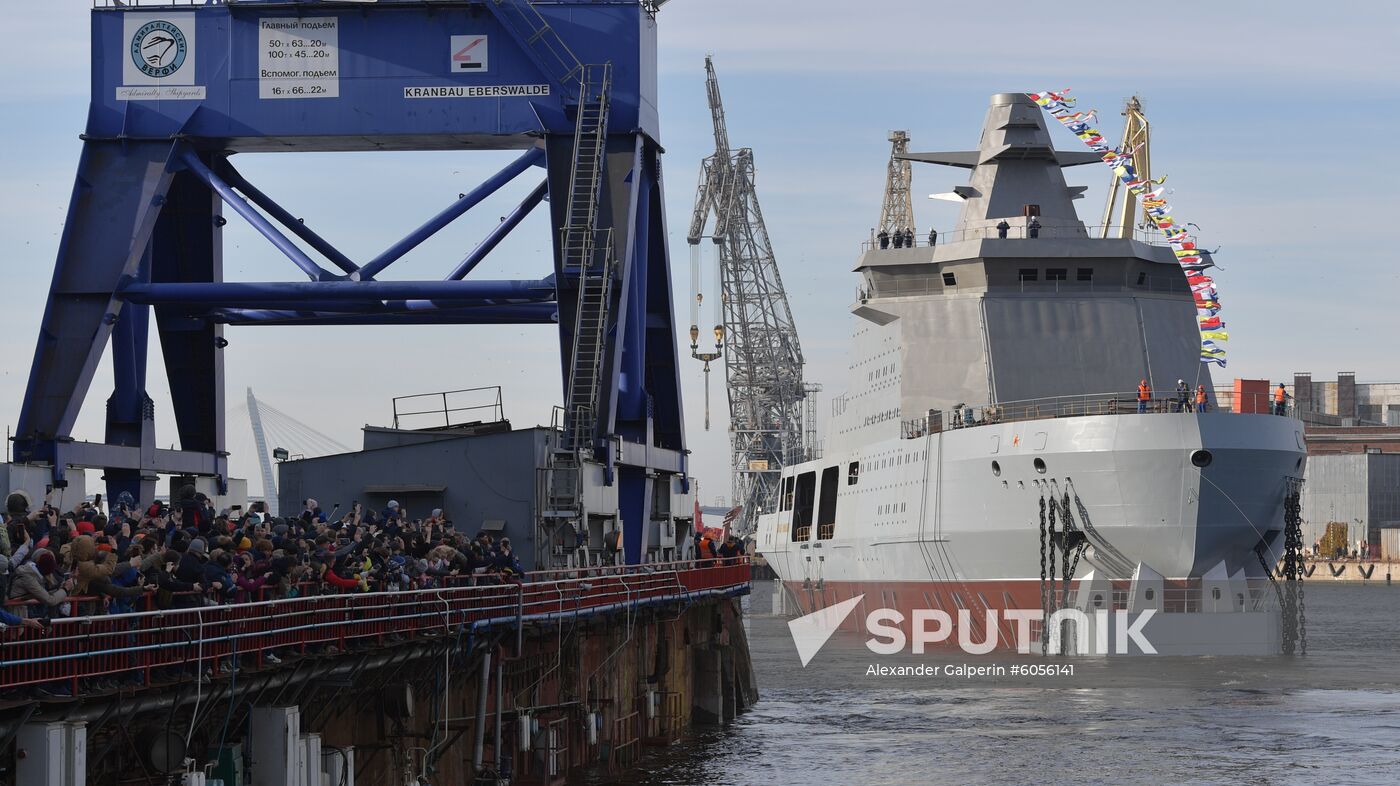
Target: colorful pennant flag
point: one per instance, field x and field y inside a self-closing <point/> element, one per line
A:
<point x="1154" y="203"/>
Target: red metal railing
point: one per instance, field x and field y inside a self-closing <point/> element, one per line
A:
<point x="142" y="647"/>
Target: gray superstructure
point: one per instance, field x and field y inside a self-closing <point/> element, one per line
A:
<point x="998" y="370"/>
<point x="1008" y="319"/>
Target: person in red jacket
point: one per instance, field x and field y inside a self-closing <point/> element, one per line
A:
<point x="336" y="580"/>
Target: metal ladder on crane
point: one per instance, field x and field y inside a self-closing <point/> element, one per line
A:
<point x="588" y="253"/>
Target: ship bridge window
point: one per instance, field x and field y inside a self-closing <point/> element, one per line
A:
<point x="1084" y="274"/>
<point x="805" y="496"/>
<point x="1056" y="274"/>
<point x="1029" y="274"/>
<point x="786" y="502"/>
<point x="826" y="511"/>
<point x="853" y="473"/>
<point x="950" y="280"/>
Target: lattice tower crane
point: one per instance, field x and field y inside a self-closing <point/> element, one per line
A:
<point x="753" y="327"/>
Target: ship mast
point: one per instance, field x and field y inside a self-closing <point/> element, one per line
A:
<point x="1136" y="140"/>
<point x="897" y="213"/>
<point x="753" y="330"/>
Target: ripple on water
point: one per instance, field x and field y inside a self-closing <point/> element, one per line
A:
<point x="1200" y="721"/>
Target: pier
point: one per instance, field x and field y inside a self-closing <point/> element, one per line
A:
<point x="520" y="682"/>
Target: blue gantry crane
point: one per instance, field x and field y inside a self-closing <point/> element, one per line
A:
<point x="181" y="90"/>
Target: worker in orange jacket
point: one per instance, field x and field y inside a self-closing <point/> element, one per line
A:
<point x="1202" y="400"/>
<point x="1280" y="400"/>
<point x="1144" y="396"/>
<point x="705" y="548"/>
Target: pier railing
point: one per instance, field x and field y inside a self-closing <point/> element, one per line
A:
<point x="1126" y="403"/>
<point x="147" y="647"/>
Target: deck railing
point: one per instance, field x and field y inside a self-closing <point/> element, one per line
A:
<point x="1127" y="403"/>
<point x="145" y="647"/>
<point x="1090" y="232"/>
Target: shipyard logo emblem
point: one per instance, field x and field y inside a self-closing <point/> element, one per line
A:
<point x="158" y="51"/>
<point x="159" y="48"/>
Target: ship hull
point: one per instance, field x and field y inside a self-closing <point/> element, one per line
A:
<point x="954" y="519"/>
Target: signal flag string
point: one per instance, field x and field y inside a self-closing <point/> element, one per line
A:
<point x="1183" y="243"/>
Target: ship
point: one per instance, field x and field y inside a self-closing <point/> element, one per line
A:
<point x="991" y="452"/>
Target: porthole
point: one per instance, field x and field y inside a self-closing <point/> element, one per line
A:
<point x="1149" y="594"/>
<point x="996" y="469"/>
<point x="1201" y="458"/>
<point x="1039" y="465"/>
<point x="1098" y="600"/>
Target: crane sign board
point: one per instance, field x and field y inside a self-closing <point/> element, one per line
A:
<point x="469" y="53"/>
<point x="158" y="60"/>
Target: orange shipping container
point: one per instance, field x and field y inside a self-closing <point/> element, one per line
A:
<point x="1252" y="396"/>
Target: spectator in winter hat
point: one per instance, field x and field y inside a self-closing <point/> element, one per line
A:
<point x="39" y="579"/>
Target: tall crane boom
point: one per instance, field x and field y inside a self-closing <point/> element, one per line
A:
<point x="1137" y="137"/>
<point x="754" y="331"/>
<point x="897" y="212"/>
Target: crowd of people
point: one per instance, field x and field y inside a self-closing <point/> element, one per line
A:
<point x="86" y="561"/>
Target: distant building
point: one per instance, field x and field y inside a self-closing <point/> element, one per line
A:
<point x="1352" y="431"/>
<point x="1346" y="416"/>
<point x="1360" y="490"/>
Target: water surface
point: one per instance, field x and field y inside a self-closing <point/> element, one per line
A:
<point x="1331" y="717"/>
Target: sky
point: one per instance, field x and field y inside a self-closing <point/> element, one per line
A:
<point x="1273" y="122"/>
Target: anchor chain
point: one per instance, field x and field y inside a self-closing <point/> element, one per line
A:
<point x="1065" y="523"/>
<point x="1044" y="603"/>
<point x="1054" y="603"/>
<point x="1078" y="552"/>
<point x="1293" y="540"/>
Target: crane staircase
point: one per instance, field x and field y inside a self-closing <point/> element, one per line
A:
<point x="587" y="255"/>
